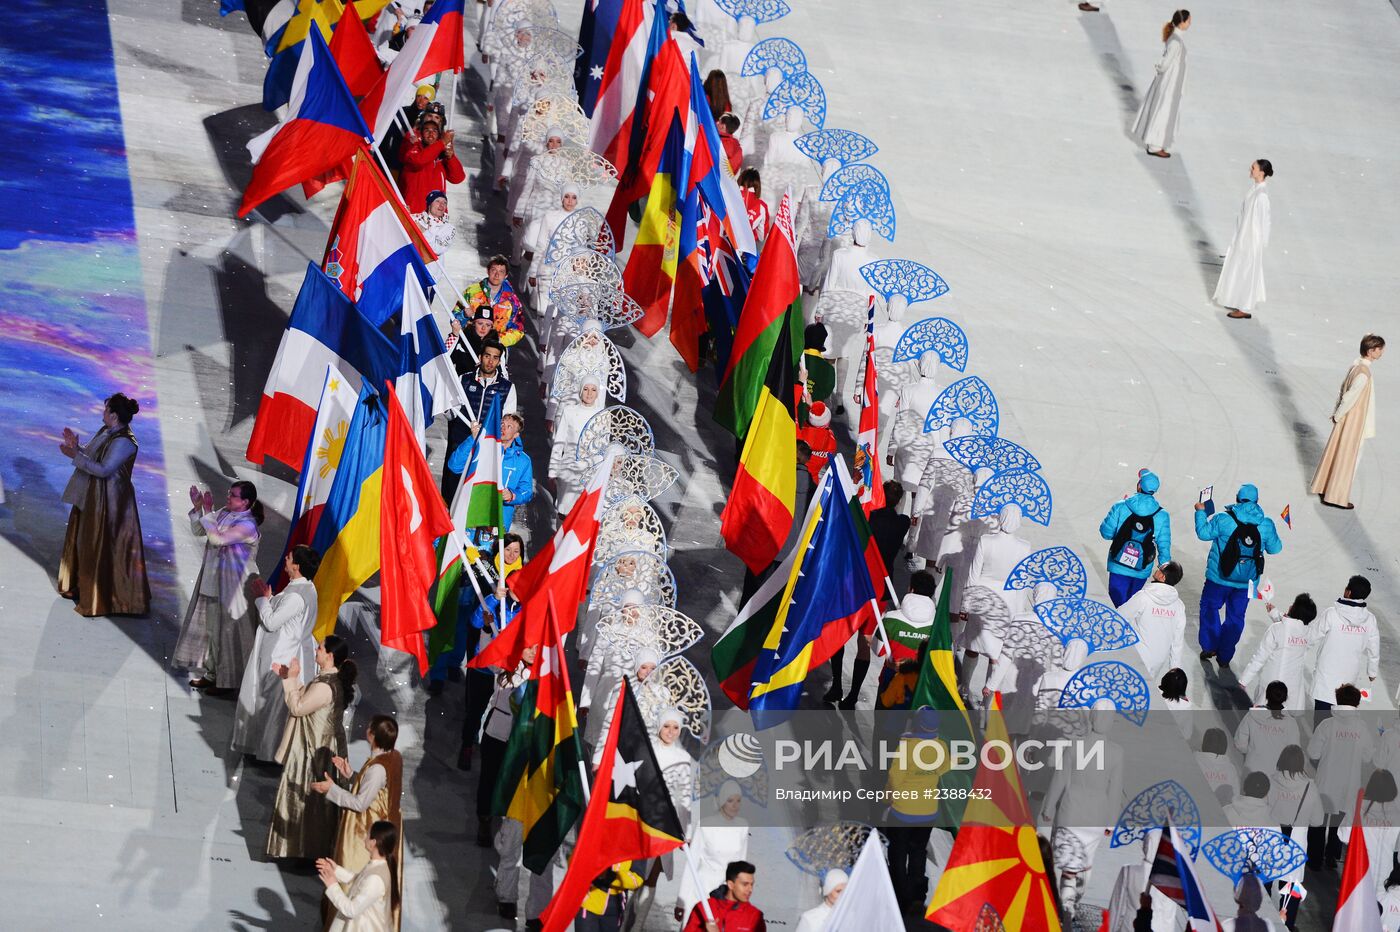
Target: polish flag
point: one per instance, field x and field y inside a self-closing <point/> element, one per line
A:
<point x="1356" y="901"/>
<point x="558" y="572"/>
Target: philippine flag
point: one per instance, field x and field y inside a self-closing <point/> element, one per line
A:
<point x="323" y="129"/>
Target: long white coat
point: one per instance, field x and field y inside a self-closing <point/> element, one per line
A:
<point x="1342" y="746"/>
<point x="285" y="625"/>
<point x="1155" y="126"/>
<point x="1345" y="634"/>
<point x="1241" y="282"/>
<point x="1155" y="611"/>
<point x="1261" y="738"/>
<point x="1280" y="656"/>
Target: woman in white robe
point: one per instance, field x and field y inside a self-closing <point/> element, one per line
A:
<point x="1155" y="126"/>
<point x="715" y="842"/>
<point x="678" y="770"/>
<point x="1241" y="284"/>
<point x="541" y="230"/>
<point x="566" y="471"/>
<point x="285" y="625"/>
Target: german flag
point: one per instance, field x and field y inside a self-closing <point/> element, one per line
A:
<point x="758" y="515"/>
<point x="540" y="783"/>
<point x="629" y="817"/>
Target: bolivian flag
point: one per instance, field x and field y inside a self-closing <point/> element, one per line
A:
<point x="758" y="515"/>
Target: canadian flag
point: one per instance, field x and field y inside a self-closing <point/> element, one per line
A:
<point x="559" y="572"/>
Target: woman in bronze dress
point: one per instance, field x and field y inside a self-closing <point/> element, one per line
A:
<point x="103" y="568"/>
<point x="304" y="822"/>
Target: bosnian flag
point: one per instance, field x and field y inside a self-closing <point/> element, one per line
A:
<point x="478" y="501"/>
<point x="429" y="385"/>
<point x="325" y="332"/>
<point x="559" y="571"/>
<point x="436" y="44"/>
<point x="322" y="130"/>
<point x="611" y="129"/>
<point x="1199" y="916"/>
<point x="872" y="489"/>
<point x="1356" y="900"/>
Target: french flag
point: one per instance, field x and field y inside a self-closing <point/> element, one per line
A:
<point x="595" y="37"/>
<point x="323" y="128"/>
<point x="610" y="131"/>
<point x="434" y="45"/>
<point x="372" y="242"/>
<point x="326" y="331"/>
<point x="1199" y="916"/>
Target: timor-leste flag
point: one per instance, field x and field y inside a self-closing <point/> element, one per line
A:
<point x="539" y="783"/>
<point x="774" y="287"/>
<point x="996" y="857"/>
<point x="630" y="815"/>
<point x="758" y="515"/>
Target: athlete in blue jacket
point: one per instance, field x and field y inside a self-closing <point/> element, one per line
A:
<point x="1230" y="568"/>
<point x="1141" y="535"/>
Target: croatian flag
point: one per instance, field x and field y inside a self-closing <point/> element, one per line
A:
<point x="322" y="130"/>
<point x="872" y="489"/>
<point x="595" y="36"/>
<point x="1199" y="916"/>
<point x="436" y="44"/>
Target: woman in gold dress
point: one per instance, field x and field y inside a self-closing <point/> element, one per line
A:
<point x="304" y="822"/>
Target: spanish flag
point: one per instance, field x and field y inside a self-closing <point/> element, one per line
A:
<point x="758" y="514"/>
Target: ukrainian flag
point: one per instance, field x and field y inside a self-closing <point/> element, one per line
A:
<point x="348" y="535"/>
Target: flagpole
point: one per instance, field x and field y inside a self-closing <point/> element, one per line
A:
<point x="695" y="879"/>
<point x="451" y="102"/>
<point x="467" y="565"/>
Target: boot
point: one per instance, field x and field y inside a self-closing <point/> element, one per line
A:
<point x="858" y="671"/>
<point x="833" y="695"/>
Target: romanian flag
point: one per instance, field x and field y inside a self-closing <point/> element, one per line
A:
<point x="938" y="681"/>
<point x="347" y="536"/>
<point x="629" y="817"/>
<point x="996" y="856"/>
<point x="775" y="286"/>
<point x="758" y="515"/>
<point x="651" y="267"/>
<point x="540" y="783"/>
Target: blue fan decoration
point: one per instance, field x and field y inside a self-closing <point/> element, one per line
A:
<point x="843" y="145"/>
<point x="969" y="398"/>
<point x="933" y="334"/>
<point x="994" y="453"/>
<point x="1266" y="853"/>
<point x="800" y="89"/>
<point x="1113" y="680"/>
<point x="914" y="280"/>
<point x="762" y="11"/>
<point x="1152" y="809"/>
<point x="851" y="177"/>
<point x="864" y="202"/>
<point x="1096" y="624"/>
<point x="1059" y="566"/>
<point x="1027" y="489"/>
<point x="784" y="54"/>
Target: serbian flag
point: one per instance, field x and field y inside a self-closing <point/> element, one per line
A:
<point x="411" y="517"/>
<point x="322" y="130"/>
<point x="1356" y="900"/>
<point x="559" y="572"/>
<point x="325" y="331"/>
<point x="872" y="489"/>
<point x="434" y="45"/>
<point x="620" y="83"/>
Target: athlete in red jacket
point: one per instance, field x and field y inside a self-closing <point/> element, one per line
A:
<point x="730" y="904"/>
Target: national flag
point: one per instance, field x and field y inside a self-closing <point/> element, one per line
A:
<point x="267" y="17"/>
<point x="347" y="537"/>
<point x="333" y="414"/>
<point x="354" y="55"/>
<point x="411" y="517"/>
<point x="869" y="901"/>
<point x="872" y="489"/>
<point x="323" y="128"/>
<point x="447" y="590"/>
<point x="873" y="561"/>
<point x="372" y="241"/>
<point x="938" y="680"/>
<point x="595" y="36"/>
<point x="1287" y="516"/>
<point x="1199" y="915"/>
<point x="775" y="286"/>
<point x="1163" y="873"/>
<point x="539" y="782"/>
<point x="478" y="502"/>
<point x="285" y="48"/>
<point x="1356" y="898"/>
<point x="630" y="815"/>
<point x="758" y="513"/>
<point x="725" y="288"/>
<point x="559" y="571"/>
<point x="996" y="855"/>
<point x="434" y="45"/>
<point x="429" y="385"/>
<point x="620" y="83"/>
<point x="325" y="331"/>
<point x="651" y="266"/>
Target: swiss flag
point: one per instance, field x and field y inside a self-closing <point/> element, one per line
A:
<point x="411" y="516"/>
<point x="559" y="573"/>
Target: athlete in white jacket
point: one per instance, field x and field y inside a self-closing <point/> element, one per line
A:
<point x="1159" y="617"/>
<point x="1282" y="653"/>
<point x="1346" y="632"/>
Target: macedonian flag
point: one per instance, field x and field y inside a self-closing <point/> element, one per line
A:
<point x="996" y="858"/>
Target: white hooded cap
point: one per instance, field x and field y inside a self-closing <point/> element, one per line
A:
<point x="833" y="879"/>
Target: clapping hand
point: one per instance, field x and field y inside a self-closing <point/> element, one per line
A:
<point x="196" y="498"/>
<point x="342" y="765"/>
<point x="280" y="669"/>
<point x="208" y="500"/>
<point x="259" y="588"/>
<point x="325" y="867"/>
<point x="294" y="668"/>
<point x="321" y="786"/>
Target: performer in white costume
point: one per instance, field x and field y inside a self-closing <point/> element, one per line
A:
<point x="1241" y="285"/>
<point x="1155" y="126"/>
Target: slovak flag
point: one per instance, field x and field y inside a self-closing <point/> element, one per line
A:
<point x="1199" y="915"/>
<point x="872" y="488"/>
<point x="323" y="129"/>
<point x="436" y="44"/>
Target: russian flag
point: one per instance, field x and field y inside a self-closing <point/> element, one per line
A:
<point x="372" y="242"/>
<point x="436" y="44"/>
<point x="325" y="331"/>
<point x="595" y="36"/>
<point x="1199" y="915"/>
<point x="620" y="84"/>
<point x="323" y="129"/>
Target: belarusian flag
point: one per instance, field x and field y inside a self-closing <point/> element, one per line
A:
<point x="774" y="288"/>
<point x="539" y="783"/>
<point x="478" y="501"/>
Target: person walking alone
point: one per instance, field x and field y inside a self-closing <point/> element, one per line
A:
<point x="1353" y="423"/>
<point x="1155" y="126"/>
<point x="1241" y="284"/>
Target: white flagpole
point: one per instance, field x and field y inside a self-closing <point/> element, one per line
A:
<point x="695" y="879"/>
